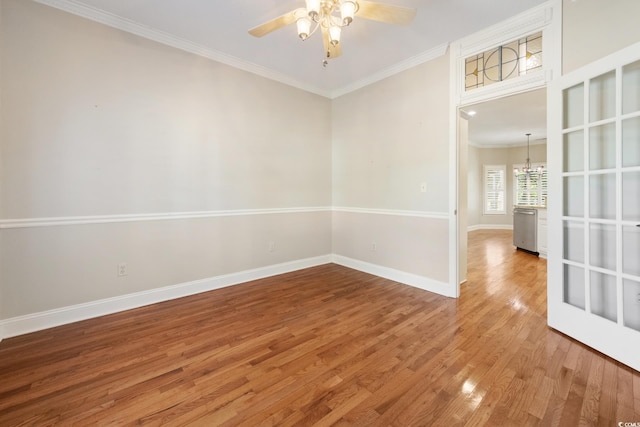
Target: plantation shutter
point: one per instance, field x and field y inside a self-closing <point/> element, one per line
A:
<point x="494" y="189"/>
<point x="531" y="189"/>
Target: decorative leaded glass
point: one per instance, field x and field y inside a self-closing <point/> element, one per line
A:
<point x="514" y="59"/>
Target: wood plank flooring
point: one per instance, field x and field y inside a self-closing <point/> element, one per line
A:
<point x="325" y="346"/>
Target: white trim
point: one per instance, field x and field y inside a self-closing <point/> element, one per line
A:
<point x="403" y="277"/>
<point x="427" y="56"/>
<point x="167" y="39"/>
<point x="418" y="214"/>
<point x="504" y="88"/>
<point x="506" y="145"/>
<point x="510" y="29"/>
<point x="112" y="20"/>
<point x="454" y="172"/>
<point x="490" y="227"/>
<point x="536" y="19"/>
<point x="547" y="18"/>
<point x="106" y="219"/>
<point x="61" y="316"/>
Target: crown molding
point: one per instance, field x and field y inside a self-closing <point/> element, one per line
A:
<point x="115" y="21"/>
<point x="421" y="58"/>
<point x="524" y="23"/>
<point x="506" y="145"/>
<point x="80" y="9"/>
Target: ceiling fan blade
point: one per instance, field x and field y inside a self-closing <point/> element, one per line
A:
<point x="385" y="12"/>
<point x="330" y="51"/>
<point x="275" y="24"/>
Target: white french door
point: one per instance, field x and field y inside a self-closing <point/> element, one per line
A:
<point x="594" y="205"/>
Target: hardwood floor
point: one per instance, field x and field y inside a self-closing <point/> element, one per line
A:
<point x="326" y="345"/>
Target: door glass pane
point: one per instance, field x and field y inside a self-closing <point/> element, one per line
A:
<point x="631" y="142"/>
<point x="573" y="106"/>
<point x="631" y="88"/>
<point x="631" y="196"/>
<point x="631" y="250"/>
<point x="602" y="147"/>
<point x="602" y="196"/>
<point x="602" y="95"/>
<point x="603" y="295"/>
<point x="602" y="246"/>
<point x="574" y="196"/>
<point x="574" y="286"/>
<point x="631" y="305"/>
<point x="574" y="151"/>
<point x="574" y="241"/>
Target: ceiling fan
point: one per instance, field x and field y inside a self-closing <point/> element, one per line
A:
<point x="330" y="16"/>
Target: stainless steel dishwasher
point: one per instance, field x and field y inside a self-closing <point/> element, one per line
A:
<point x="525" y="229"/>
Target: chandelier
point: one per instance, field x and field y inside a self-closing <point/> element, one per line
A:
<point x="527" y="169"/>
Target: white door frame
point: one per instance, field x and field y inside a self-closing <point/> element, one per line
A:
<point x="546" y="18"/>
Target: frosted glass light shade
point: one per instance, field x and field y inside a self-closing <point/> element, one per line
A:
<point x="334" y="34"/>
<point x="347" y="11"/>
<point x="304" y="26"/>
<point x="313" y="8"/>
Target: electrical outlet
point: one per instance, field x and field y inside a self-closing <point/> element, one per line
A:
<point x="272" y="246"/>
<point x="122" y="269"/>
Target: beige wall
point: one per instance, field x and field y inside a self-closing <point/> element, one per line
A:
<point x="508" y="156"/>
<point x="391" y="136"/>
<point x="103" y="122"/>
<point x="52" y="267"/>
<point x="388" y="138"/>
<point x="595" y="28"/>
<point x="474" y="186"/>
<point x="2" y="315"/>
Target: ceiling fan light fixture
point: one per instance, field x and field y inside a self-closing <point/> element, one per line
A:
<point x="313" y="9"/>
<point x="330" y="16"/>
<point x="304" y="27"/>
<point x="347" y="11"/>
<point x="334" y="34"/>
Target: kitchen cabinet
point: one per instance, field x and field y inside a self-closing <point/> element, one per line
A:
<point x="542" y="232"/>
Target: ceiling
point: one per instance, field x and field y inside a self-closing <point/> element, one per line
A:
<point x="371" y="50"/>
<point x="506" y="121"/>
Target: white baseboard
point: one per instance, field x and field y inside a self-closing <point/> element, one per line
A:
<point x="61" y="316"/>
<point x="403" y="277"/>
<point x="490" y="227"/>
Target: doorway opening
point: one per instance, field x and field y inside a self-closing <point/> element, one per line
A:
<point x="492" y="143"/>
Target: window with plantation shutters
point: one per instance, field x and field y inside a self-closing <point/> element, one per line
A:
<point x="494" y="189"/>
<point x="530" y="189"/>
